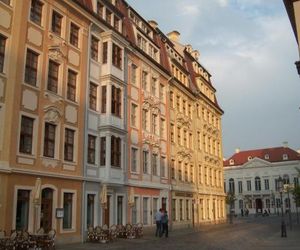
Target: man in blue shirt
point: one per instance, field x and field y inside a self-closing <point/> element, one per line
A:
<point x="157" y="217"/>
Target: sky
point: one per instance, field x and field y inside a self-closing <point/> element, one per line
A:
<point x="249" y="48"/>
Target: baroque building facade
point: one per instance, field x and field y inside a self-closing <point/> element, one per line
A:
<point x="252" y="176"/>
<point x="104" y="120"/>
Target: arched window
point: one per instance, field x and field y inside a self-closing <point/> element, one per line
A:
<point x="286" y="179"/>
<point x="231" y="186"/>
<point x="257" y="184"/>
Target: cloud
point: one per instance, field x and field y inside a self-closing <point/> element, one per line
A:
<point x="223" y="3"/>
<point x="188" y="9"/>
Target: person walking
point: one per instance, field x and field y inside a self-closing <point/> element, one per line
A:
<point x="164" y="222"/>
<point x="157" y="218"/>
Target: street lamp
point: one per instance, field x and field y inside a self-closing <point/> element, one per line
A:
<point x="283" y="226"/>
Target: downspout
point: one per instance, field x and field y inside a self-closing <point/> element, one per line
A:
<point x="83" y="209"/>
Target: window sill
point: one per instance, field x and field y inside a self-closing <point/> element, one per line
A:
<point x="66" y="231"/>
<point x="39" y="26"/>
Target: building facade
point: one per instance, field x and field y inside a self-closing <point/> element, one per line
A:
<point x="293" y="11"/>
<point x="252" y="176"/>
<point x="104" y="119"/>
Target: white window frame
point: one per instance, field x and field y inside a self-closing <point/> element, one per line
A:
<point x="74" y="210"/>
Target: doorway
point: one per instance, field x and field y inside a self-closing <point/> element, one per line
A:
<point x="46" y="209"/>
<point x="258" y="205"/>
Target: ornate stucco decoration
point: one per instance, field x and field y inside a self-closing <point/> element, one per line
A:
<point x="57" y="49"/>
<point x="52" y="114"/>
<point x="184" y="153"/>
<point x="151" y="140"/>
<point x="151" y="103"/>
<point x="183" y="121"/>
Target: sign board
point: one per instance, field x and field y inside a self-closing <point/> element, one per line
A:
<point x="59" y="213"/>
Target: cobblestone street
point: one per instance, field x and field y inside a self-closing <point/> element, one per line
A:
<point x="245" y="233"/>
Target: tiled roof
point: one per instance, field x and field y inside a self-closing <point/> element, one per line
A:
<point x="267" y="154"/>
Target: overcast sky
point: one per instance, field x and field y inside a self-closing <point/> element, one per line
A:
<point x="249" y="48"/>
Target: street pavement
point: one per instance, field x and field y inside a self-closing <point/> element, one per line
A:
<point x="245" y="233"/>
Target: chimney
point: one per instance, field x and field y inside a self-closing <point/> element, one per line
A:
<point x="237" y="150"/>
<point x="174" y="36"/>
<point x="153" y="24"/>
<point x="285" y="144"/>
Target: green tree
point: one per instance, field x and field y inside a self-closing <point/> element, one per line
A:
<point x="296" y="196"/>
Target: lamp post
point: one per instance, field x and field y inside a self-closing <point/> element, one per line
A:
<point x="283" y="226"/>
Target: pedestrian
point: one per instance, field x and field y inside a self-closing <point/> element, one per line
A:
<point x="242" y="212"/>
<point x="164" y="222"/>
<point x="157" y="218"/>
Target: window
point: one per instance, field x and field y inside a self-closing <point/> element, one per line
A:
<point x="179" y="171"/>
<point x="71" y="88"/>
<point x="163" y="166"/>
<point x="187" y="209"/>
<point x="257" y="184"/>
<point x="91" y="149"/>
<point x="173" y="169"/>
<point x="145" y="80"/>
<point x="241" y="204"/>
<point x="286" y="179"/>
<point x="180" y="209"/>
<point x="268" y="204"/>
<point x="31" y="67"/>
<point x="100" y="8"/>
<point x="248" y="185"/>
<point x="26" y="135"/>
<point x="69" y="144"/>
<point x="285" y="157"/>
<point x="49" y="140"/>
<point x="142" y="43"/>
<point x="135" y="211"/>
<point x="22" y="216"/>
<point x="162" y="127"/>
<point x="104" y="53"/>
<point x="153" y="86"/>
<point x="74" y="34"/>
<point x="267" y="186"/>
<point x="184" y="106"/>
<point x="178" y="136"/>
<point x="154" y="164"/>
<point x="56" y="23"/>
<point x="186" y="175"/>
<point x="2" y="52"/>
<point x="108" y="16"/>
<point x="145" y="162"/>
<point x="93" y="96"/>
<point x="231" y="186"/>
<point x="178" y="102"/>
<point x="172" y="133"/>
<point x="134" y="154"/>
<point x="119" y="210"/>
<point x="240" y="184"/>
<point x="103" y="99"/>
<point x="133" y="115"/>
<point x="133" y="74"/>
<point x="116" y="101"/>
<point x="296" y="182"/>
<point x="162" y="92"/>
<point x="145" y="210"/>
<point x="90" y="207"/>
<point x="94" y="48"/>
<point x="53" y="76"/>
<point x="145" y="122"/>
<point x="36" y="11"/>
<point x="116" y="23"/>
<point x="102" y="151"/>
<point x="171" y="99"/>
<point x="115" y="151"/>
<point x="117" y="56"/>
<point x="154" y="124"/>
<point x="173" y="209"/>
<point x="276" y="185"/>
<point x="154" y="207"/>
<point x="68" y="210"/>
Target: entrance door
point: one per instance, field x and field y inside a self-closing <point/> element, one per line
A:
<point x="46" y="209"/>
<point x="258" y="203"/>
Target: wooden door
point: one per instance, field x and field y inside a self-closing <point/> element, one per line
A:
<point x="46" y="209"/>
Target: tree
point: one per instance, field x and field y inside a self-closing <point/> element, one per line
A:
<point x="296" y="196"/>
<point x="230" y="198"/>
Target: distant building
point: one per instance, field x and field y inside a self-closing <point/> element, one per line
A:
<point x="253" y="177"/>
<point x="293" y="11"/>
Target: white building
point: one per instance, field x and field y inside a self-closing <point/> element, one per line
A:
<point x="253" y="177"/>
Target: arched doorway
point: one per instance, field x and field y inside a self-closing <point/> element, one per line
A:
<point x="258" y="205"/>
<point x="46" y="209"/>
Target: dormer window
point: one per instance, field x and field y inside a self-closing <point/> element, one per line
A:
<point x="267" y="157"/>
<point x="285" y="157"/>
<point x="249" y="158"/>
<point x="231" y="162"/>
